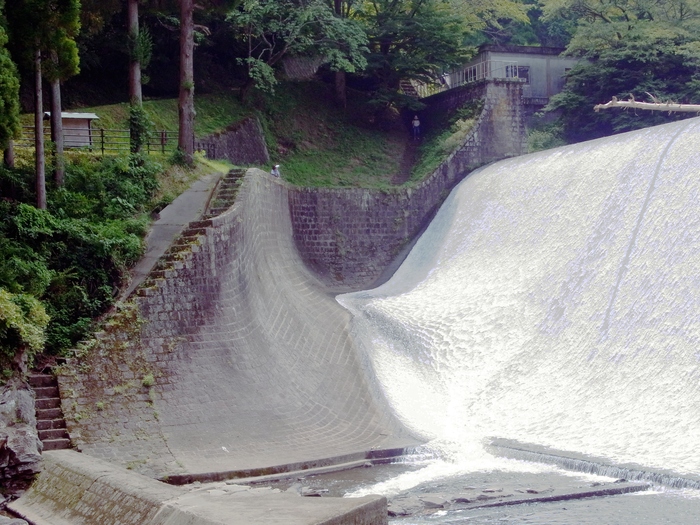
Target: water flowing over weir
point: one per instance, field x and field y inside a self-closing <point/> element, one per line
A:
<point x="554" y="300"/>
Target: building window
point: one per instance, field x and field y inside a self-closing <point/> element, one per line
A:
<point x="522" y="72"/>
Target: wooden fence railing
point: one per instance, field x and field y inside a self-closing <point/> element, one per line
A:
<point x="105" y="141"/>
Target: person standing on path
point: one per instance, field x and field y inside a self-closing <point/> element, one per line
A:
<point x="275" y="172"/>
<point x="415" y="124"/>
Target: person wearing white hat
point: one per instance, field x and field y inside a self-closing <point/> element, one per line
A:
<point x="275" y="171"/>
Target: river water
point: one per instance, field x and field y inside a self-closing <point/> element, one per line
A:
<point x="553" y="300"/>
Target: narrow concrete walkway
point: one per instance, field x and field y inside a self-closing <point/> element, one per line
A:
<point x="189" y="206"/>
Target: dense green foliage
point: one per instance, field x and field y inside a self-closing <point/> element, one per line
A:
<point x="629" y="48"/>
<point x="73" y="256"/>
<point x="22" y="327"/>
<point x="275" y="29"/>
<point x="9" y="91"/>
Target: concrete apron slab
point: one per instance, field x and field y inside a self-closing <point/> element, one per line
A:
<point x="75" y="489"/>
<point x="288" y="470"/>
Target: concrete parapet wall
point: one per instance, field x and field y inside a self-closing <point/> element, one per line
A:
<point x="348" y="237"/>
<point x="74" y="489"/>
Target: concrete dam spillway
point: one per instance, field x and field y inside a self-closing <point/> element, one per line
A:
<point x="554" y="300"/>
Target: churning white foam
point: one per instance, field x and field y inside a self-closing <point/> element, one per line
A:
<point x="554" y="299"/>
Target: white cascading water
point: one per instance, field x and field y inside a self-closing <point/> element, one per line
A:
<point x="555" y="300"/>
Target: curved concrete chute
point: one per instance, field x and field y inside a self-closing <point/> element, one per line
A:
<point x="252" y="362"/>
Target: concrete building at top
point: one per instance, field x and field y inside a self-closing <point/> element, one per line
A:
<point x="541" y="69"/>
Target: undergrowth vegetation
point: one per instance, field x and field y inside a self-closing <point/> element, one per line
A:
<point x="74" y="255"/>
<point x="449" y="133"/>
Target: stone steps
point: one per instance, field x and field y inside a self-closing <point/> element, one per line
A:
<point x="225" y="194"/>
<point x="407" y="87"/>
<point x="189" y="240"/>
<point x="50" y="423"/>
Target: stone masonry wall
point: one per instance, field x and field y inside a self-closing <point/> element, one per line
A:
<point x="242" y="144"/>
<point x="348" y="237"/>
<point x="230" y="357"/>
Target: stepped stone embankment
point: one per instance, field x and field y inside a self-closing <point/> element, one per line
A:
<point x="233" y="359"/>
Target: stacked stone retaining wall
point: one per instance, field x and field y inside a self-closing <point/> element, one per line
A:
<point x="233" y="356"/>
<point x="242" y="144"/>
<point x="349" y="237"/>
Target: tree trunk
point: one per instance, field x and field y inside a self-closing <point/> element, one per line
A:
<point x="8" y="155"/>
<point x="186" y="100"/>
<point x="340" y="90"/>
<point x="40" y="165"/>
<point x="341" y="96"/>
<point x="135" y="93"/>
<point x="649" y="106"/>
<point x="57" y="126"/>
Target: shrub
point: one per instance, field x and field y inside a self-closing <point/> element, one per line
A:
<point x="73" y="256"/>
<point x="22" y="324"/>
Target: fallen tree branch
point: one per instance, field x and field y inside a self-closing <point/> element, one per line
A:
<point x="650" y="106"/>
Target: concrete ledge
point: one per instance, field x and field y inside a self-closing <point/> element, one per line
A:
<point x="318" y="466"/>
<point x="592" y="465"/>
<point x="75" y="489"/>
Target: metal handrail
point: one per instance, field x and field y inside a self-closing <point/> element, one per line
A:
<point x="487" y="69"/>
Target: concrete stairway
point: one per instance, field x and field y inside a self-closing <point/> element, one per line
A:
<point x="408" y="88"/>
<point x="49" y="417"/>
<point x="223" y="197"/>
<point x="225" y="193"/>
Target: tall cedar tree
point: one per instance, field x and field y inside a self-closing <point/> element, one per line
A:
<point x="186" y="111"/>
<point x="45" y="29"/>
<point x="9" y="96"/>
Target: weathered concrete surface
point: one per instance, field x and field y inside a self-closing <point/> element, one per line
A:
<point x="250" y="363"/>
<point x="233" y="359"/>
<point x="75" y="489"/>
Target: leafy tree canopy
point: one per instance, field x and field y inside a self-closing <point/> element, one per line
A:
<point x="628" y="47"/>
<point x="274" y="29"/>
<point x="52" y="25"/>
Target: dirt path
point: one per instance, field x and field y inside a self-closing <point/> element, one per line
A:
<point x="408" y="159"/>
